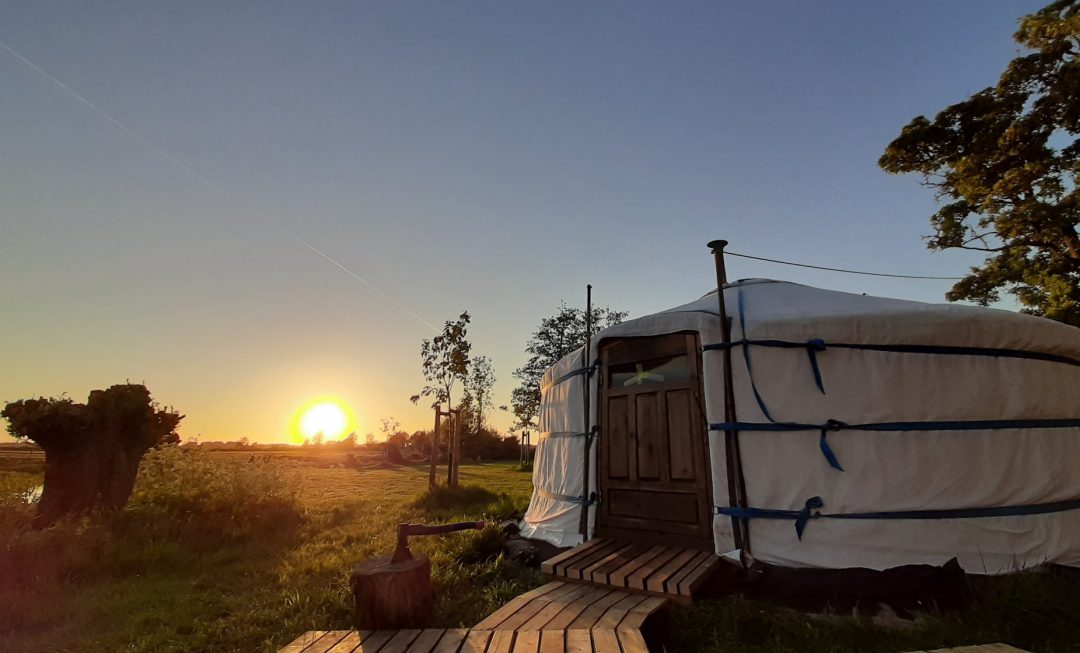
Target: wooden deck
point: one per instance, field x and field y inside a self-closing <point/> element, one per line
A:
<point x="570" y="606"/>
<point x="458" y="640"/>
<point x="556" y="618"/>
<point x="984" y="648"/>
<point x="663" y="570"/>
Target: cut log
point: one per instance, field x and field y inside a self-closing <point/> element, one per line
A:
<point x="391" y="595"/>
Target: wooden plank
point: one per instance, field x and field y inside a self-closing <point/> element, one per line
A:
<point x="575" y="608"/>
<point x="350" y="642"/>
<point x="605" y="641"/>
<point x="700" y="574"/>
<point x="547" y="613"/>
<point x="631" y="641"/>
<point x="451" y="641"/>
<point x="329" y="639"/>
<point x="616" y="420"/>
<point x="682" y="429"/>
<point x="649" y="439"/>
<point x="586" y="573"/>
<point x="636" y="580"/>
<point x="579" y="641"/>
<point x="601" y="574"/>
<point x="500" y="615"/>
<point x="549" y="566"/>
<point x="376" y="641"/>
<point x="502" y="641"/>
<point x="671" y="585"/>
<point x="527" y="641"/>
<point x="617" y="578"/>
<point x="590" y="615"/>
<point x="642" y="611"/>
<point x="983" y="648"/>
<point x="655" y="583"/>
<point x="615" y="614"/>
<point x="400" y="642"/>
<point x="515" y="621"/>
<point x="303" y="641"/>
<point x="574" y="568"/>
<point x="427" y="640"/>
<point x="476" y="641"/>
<point x="552" y="641"/>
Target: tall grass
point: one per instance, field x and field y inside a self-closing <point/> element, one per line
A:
<point x="225" y="552"/>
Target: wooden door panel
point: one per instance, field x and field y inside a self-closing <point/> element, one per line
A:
<point x="647" y="436"/>
<point x="618" y="434"/>
<point x="662" y="506"/>
<point x="680" y="424"/>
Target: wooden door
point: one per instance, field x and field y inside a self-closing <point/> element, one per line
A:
<point x="652" y="468"/>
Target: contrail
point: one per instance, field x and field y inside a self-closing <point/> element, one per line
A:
<point x="364" y="281"/>
<point x="209" y="184"/>
<point x="104" y="114"/>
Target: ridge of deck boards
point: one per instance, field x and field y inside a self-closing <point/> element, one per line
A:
<point x="573" y="606"/>
<point x="664" y="570"/>
<point x="432" y="640"/>
<point x="558" y="617"/>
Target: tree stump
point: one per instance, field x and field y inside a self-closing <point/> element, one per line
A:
<point x="393" y="595"/>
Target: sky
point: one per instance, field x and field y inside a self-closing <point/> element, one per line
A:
<point x="483" y="156"/>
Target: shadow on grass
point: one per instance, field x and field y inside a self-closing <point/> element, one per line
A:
<point x="1032" y="610"/>
<point x="462" y="499"/>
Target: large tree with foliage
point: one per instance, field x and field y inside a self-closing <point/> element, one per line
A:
<point x="478" y="385"/>
<point x="92" y="450"/>
<point x="558" y="335"/>
<point x="1005" y="163"/>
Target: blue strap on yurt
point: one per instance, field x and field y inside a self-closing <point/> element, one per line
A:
<point x="941" y="350"/>
<point x="812" y="347"/>
<point x="569" y="375"/>
<point x="811" y="510"/>
<point x="746" y="359"/>
<point x="566" y="435"/>
<point x="588" y="501"/>
<point x="953" y="425"/>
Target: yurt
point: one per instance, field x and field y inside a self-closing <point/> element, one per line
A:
<point x="858" y="432"/>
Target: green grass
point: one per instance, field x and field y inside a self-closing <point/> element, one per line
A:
<point x="1033" y="611"/>
<point x="216" y="553"/>
<point x="223" y="551"/>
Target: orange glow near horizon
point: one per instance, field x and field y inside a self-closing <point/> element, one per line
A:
<point x="327" y="415"/>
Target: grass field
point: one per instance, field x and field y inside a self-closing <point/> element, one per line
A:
<point x="216" y="553"/>
<point x="234" y="551"/>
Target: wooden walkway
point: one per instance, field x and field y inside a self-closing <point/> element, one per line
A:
<point x="570" y="606"/>
<point x="556" y="618"/>
<point x="663" y="570"/>
<point x="984" y="648"/>
<point x="459" y="640"/>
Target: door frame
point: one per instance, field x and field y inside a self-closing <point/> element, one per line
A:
<point x="703" y="466"/>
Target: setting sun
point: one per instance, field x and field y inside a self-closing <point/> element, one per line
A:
<point x="329" y="417"/>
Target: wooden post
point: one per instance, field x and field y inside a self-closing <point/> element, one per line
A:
<point x="736" y="481"/>
<point x="587" y="355"/>
<point x="434" y="449"/>
<point x="457" y="447"/>
<point x="449" y="415"/>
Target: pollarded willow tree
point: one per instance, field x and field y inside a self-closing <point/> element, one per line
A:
<point x="1006" y="165"/>
<point x="92" y="450"/>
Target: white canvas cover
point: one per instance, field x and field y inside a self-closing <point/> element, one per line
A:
<point x="883" y="471"/>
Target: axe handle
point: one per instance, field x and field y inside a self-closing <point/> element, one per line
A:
<point x="405" y="530"/>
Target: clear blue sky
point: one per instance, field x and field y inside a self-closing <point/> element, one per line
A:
<point x="494" y="157"/>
